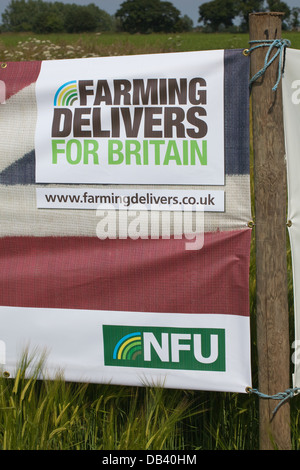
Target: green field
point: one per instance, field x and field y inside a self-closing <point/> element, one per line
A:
<point x="41" y="414"/>
<point x="25" y="46"/>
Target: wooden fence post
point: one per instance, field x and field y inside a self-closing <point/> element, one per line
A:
<point x="270" y="235"/>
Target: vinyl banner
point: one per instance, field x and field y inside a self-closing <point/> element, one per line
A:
<point x="124" y="206"/>
<point x="291" y="109"/>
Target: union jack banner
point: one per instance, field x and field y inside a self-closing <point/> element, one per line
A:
<point x="128" y="295"/>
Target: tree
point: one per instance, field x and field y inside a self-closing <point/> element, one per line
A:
<point x="294" y="22"/>
<point x="246" y="7"/>
<point x="105" y="22"/>
<point x="223" y="12"/>
<point x="278" y="5"/>
<point x="218" y="12"/>
<point x="47" y="17"/>
<point x="78" y="19"/>
<point x="145" y="16"/>
<point x="19" y="15"/>
<point x="186" y="23"/>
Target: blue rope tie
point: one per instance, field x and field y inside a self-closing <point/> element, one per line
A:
<point x="282" y="396"/>
<point x="280" y="45"/>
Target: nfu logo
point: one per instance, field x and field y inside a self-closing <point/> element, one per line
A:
<point x="164" y="348"/>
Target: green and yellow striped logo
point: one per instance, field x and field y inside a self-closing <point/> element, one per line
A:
<point x="129" y="347"/>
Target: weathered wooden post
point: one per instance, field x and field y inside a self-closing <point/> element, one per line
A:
<point x="270" y="232"/>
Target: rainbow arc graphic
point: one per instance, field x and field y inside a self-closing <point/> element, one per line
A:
<point x="129" y="347"/>
<point x="67" y="94"/>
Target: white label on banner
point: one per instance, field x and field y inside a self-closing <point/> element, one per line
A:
<point x="155" y="119"/>
<point x="130" y="199"/>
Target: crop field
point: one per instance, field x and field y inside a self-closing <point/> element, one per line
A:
<point x="39" y="414"/>
<point x="25" y="46"/>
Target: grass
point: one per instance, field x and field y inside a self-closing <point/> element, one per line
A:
<point x="46" y="414"/>
<point x="55" y="415"/>
<point x="41" y="414"/>
<point x="37" y="413"/>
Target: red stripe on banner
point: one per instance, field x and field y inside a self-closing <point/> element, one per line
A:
<point x="18" y="75"/>
<point x="131" y="275"/>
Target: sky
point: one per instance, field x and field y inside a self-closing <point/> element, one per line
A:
<point x="186" y="7"/>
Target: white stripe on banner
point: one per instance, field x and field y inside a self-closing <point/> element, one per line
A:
<point x="207" y="352"/>
<point x="291" y="108"/>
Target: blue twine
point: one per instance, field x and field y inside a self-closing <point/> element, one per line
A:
<point x="280" y="45"/>
<point x="282" y="396"/>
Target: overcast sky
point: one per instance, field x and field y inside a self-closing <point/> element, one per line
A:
<point x="186" y="7"/>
